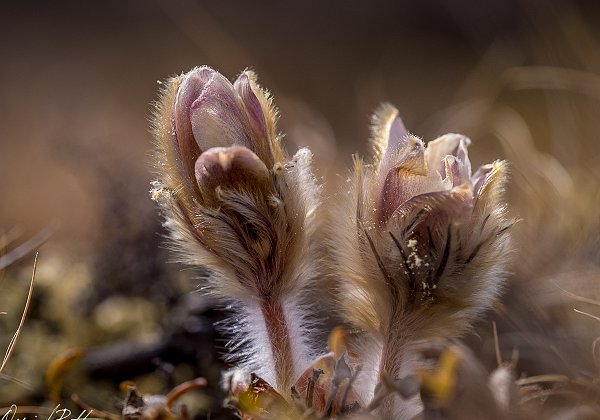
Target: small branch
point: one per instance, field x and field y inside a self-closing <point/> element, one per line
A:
<point x="181" y="389"/>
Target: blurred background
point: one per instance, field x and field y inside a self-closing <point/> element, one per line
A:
<point x="521" y="78"/>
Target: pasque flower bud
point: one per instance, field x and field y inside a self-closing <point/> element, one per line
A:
<point x="425" y="248"/>
<point x="236" y="204"/>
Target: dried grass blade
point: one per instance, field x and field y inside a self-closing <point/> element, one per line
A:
<point x="13" y="341"/>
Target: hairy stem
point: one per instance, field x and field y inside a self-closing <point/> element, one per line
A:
<point x="281" y="348"/>
<point x="394" y="344"/>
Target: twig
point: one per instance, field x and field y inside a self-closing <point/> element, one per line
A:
<point x="8" y="378"/>
<point x="13" y="341"/>
<point x="577" y="297"/>
<point x="26" y="247"/>
<point x="586" y="314"/>
<point x="542" y="378"/>
<point x="497" y="345"/>
<point x="181" y="389"/>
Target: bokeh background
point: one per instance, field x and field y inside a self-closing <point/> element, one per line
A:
<point x="521" y="78"/>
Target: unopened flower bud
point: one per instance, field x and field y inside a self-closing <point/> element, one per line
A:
<point x="237" y="205"/>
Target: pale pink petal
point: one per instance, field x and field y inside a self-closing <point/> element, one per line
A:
<point x="185" y="145"/>
<point x="455" y="171"/>
<point x="446" y="145"/>
<point x="216" y="117"/>
<point x="463" y="156"/>
<point x="401" y="185"/>
<point x="410" y="170"/>
<point x="397" y="143"/>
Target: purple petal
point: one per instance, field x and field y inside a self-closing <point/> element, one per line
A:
<point x="216" y="117"/>
<point x="402" y="184"/>
<point x="243" y="87"/>
<point x="230" y="167"/>
<point x="257" y="116"/>
<point x="397" y="137"/>
<point x="190" y="88"/>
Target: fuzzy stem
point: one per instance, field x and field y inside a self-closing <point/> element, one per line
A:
<point x="281" y="348"/>
<point x="389" y="366"/>
<point x="390" y="360"/>
<point x="392" y="348"/>
<point x="394" y="345"/>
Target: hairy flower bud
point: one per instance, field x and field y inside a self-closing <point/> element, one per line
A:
<point x="236" y="204"/>
<point x="432" y="242"/>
